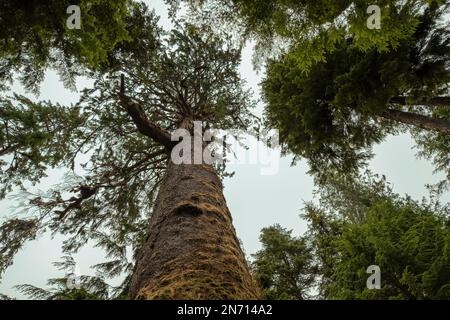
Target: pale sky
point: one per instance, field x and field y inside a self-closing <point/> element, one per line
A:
<point x="255" y="201"/>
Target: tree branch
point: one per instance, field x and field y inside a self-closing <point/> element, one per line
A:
<point x="418" y="120"/>
<point x="143" y="124"/>
<point x="436" y="101"/>
<point x="8" y="149"/>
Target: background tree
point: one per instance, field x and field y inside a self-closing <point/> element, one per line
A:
<point x="408" y="240"/>
<point x="35" y="36"/>
<point x="285" y="265"/>
<point x="435" y="147"/>
<point x="73" y="286"/>
<point x="189" y="248"/>
<point x="333" y="114"/>
<point x="359" y="222"/>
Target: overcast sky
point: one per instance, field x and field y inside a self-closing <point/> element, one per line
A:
<point x="255" y="201"/>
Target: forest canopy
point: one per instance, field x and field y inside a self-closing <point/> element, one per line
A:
<point x="332" y="86"/>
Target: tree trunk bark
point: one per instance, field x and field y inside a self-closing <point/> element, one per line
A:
<point x="191" y="250"/>
<point x="418" y="120"/>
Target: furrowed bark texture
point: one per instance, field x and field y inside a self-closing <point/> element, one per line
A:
<point x="191" y="251"/>
<point x="418" y="120"/>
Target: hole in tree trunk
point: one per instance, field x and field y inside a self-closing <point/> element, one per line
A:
<point x="188" y="209"/>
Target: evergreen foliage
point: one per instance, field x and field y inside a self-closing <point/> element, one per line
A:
<point x="34" y="37"/>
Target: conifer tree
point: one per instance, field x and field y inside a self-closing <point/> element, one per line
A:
<point x="361" y="222"/>
<point x="333" y="114"/>
<point x="129" y="192"/>
<point x="35" y="36"/>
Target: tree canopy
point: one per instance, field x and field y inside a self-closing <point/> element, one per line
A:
<point x="285" y="265"/>
<point x="312" y="28"/>
<point x="408" y="240"/>
<point x="334" y="86"/>
<point x="333" y="114"/>
<point x="360" y="222"/>
<point x="35" y="37"/>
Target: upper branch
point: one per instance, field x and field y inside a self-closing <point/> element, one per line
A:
<point x="436" y="101"/>
<point x="143" y="124"/>
<point x="418" y="120"/>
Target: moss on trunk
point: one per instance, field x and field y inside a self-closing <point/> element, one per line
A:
<point x="191" y="251"/>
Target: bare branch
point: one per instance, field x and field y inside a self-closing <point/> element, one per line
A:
<point x="143" y="124"/>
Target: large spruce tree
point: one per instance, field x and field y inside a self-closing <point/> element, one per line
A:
<point x="128" y="192"/>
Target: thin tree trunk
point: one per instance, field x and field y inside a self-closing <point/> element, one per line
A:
<point x="191" y="250"/>
<point x="418" y="120"/>
<point x="433" y="102"/>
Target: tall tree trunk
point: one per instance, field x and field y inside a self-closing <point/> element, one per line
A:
<point x="418" y="120"/>
<point x="191" y="250"/>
